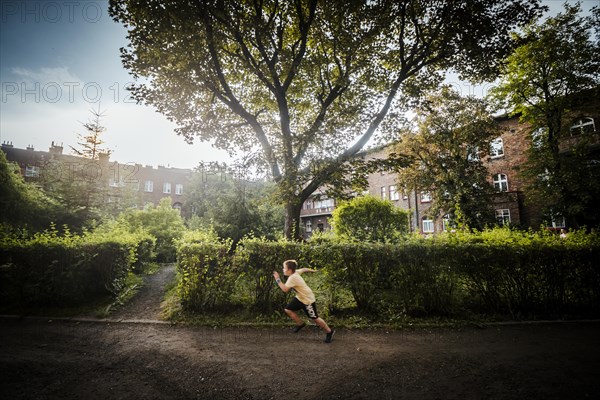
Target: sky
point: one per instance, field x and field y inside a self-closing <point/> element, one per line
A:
<point x="59" y="60"/>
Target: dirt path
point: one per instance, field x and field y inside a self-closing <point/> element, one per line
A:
<point x="145" y="305"/>
<point x="62" y="359"/>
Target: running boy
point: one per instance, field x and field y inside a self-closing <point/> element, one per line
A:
<point x="304" y="299"/>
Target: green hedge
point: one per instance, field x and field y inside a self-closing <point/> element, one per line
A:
<point x="419" y="277"/>
<point x="256" y="259"/>
<point x="206" y="275"/>
<point x="56" y="270"/>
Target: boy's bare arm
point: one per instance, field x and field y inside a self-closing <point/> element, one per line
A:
<point x="303" y="270"/>
<point x="281" y="285"/>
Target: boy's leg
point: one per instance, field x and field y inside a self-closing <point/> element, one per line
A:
<point x="294" y="316"/>
<point x="291" y="309"/>
<point x="322" y="324"/>
<point x="311" y="311"/>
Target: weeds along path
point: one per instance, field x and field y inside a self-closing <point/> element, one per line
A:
<point x="145" y="305"/>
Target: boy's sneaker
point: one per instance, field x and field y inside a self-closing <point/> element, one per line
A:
<point x="298" y="327"/>
<point x="329" y="336"/>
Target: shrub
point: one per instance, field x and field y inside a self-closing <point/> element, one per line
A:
<point x="256" y="259"/>
<point x="54" y="269"/>
<point x="492" y="272"/>
<point x="207" y="277"/>
<point x="366" y="218"/>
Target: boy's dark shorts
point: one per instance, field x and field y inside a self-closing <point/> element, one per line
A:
<point x="310" y="310"/>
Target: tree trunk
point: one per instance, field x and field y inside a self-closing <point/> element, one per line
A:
<point x="292" y="219"/>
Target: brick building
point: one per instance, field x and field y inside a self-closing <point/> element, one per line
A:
<point x="508" y="153"/>
<point x="140" y="185"/>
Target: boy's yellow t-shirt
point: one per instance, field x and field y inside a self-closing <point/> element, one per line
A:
<point x="303" y="292"/>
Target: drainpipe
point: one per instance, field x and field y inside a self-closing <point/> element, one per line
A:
<point x="416" y="212"/>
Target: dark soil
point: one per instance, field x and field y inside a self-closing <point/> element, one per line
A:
<point x="41" y="358"/>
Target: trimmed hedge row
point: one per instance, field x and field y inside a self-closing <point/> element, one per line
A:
<point x="68" y="271"/>
<point x="419" y="278"/>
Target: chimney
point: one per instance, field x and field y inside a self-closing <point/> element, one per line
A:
<point x="103" y="157"/>
<point x="56" y="150"/>
<point x="7" y="145"/>
<point x="30" y="147"/>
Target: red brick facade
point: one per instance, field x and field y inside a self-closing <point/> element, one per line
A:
<point x="143" y="184"/>
<point x="511" y="201"/>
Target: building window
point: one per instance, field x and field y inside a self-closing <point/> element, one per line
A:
<point x="179" y="189"/>
<point x="448" y="223"/>
<point x="427" y="226"/>
<point x="31" y="171"/>
<point x="558" y="221"/>
<point x="583" y="125"/>
<point x="308" y="204"/>
<point x="496" y="148"/>
<point x="503" y="216"/>
<point x="308" y="227"/>
<point x="383" y="196"/>
<point x="148" y="186"/>
<point x="501" y="183"/>
<point x="166" y="187"/>
<point x="425" y="197"/>
<point x="394" y="195"/>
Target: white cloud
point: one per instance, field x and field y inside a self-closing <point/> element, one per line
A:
<point x="45" y="75"/>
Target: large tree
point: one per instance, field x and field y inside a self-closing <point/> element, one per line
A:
<point x="556" y="62"/>
<point x="304" y="80"/>
<point x="445" y="144"/>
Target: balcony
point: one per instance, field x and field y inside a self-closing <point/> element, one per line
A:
<point x="311" y="212"/>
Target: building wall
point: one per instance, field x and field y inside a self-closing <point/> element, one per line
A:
<point x="120" y="180"/>
<point x="516" y="138"/>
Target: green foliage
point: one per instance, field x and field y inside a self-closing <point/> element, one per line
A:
<point x="495" y="272"/>
<point x="232" y="206"/>
<point x="555" y="58"/>
<point x="76" y="183"/>
<point x="54" y="269"/>
<point x="206" y="274"/>
<point x="256" y="259"/>
<point x="163" y="222"/>
<point x="23" y="204"/>
<point x="310" y="83"/>
<point x="451" y="136"/>
<point x="144" y="243"/>
<point x="366" y="218"/>
<point x="555" y="66"/>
